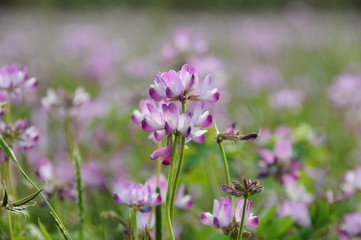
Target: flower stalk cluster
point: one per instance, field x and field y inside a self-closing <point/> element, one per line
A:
<point x="166" y="117"/>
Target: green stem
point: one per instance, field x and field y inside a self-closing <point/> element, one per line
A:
<point x="170" y="177"/>
<point x="75" y="155"/>
<point x="158" y="209"/>
<point x="79" y="185"/>
<point x="7" y="171"/>
<point x="158" y="220"/>
<point x="178" y="171"/>
<point x="176" y="178"/>
<point x="10" y="226"/>
<point x="241" y="227"/>
<point x="225" y="162"/>
<point x="10" y="153"/>
<point x="135" y="226"/>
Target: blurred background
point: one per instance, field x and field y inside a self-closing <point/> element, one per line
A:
<point x="276" y="62"/>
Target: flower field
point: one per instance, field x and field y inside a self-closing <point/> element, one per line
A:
<point x="126" y="124"/>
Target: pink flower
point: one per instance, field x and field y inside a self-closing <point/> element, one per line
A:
<point x="166" y="119"/>
<point x="223" y="214"/>
<point x="297" y="210"/>
<point x="14" y="77"/>
<point x="59" y="178"/>
<point x="24" y="135"/>
<point x="137" y="196"/>
<point x="180" y="86"/>
<point x="350" y="229"/>
<point x="352" y="182"/>
<point x="183" y="200"/>
<point x="63" y="100"/>
<point x="250" y="220"/>
<point x="145" y="220"/>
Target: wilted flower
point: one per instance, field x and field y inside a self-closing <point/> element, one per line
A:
<point x="14" y="77"/>
<point x="180" y="86"/>
<point x="231" y="133"/>
<point x="137" y="196"/>
<point x="350" y="229"/>
<point x="223" y="215"/>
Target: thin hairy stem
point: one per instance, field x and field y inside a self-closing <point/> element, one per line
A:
<point x="225" y="162"/>
<point x="176" y="178"/>
<point x="169" y="188"/>
<point x="158" y="209"/>
<point x="241" y="227"/>
<point x="75" y="155"/>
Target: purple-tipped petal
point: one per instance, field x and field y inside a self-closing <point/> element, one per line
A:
<point x="167" y="128"/>
<point x="146" y="126"/>
<point x="154" y="95"/>
<point x="187" y="132"/>
<point x="159" y="135"/>
<point x="231" y="128"/>
<point x="252" y="222"/>
<point x="215" y="97"/>
<point x="159" y="152"/>
<point x="208" y="121"/>
<point x="216" y="223"/>
<point x="207" y="218"/>
<point x="200" y="139"/>
<point x="167" y="160"/>
<point x="117" y="198"/>
<point x="169" y="93"/>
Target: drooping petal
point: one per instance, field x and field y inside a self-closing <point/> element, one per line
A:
<point x="207" y="218"/>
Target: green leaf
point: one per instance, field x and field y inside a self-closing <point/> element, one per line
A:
<point x="27" y="199"/>
<point x="265" y="220"/>
<point x="218" y="236"/>
<point x="43" y="230"/>
<point x="5" y="199"/>
<point x="320" y="213"/>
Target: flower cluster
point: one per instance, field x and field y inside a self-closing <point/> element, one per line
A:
<point x="280" y="160"/>
<point x="172" y="90"/>
<point x="182" y="86"/>
<point x="15" y="77"/>
<point x="144" y="197"/>
<point x="137" y="196"/>
<point x="20" y="133"/>
<point x="223" y="216"/>
<point x="298" y="198"/>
